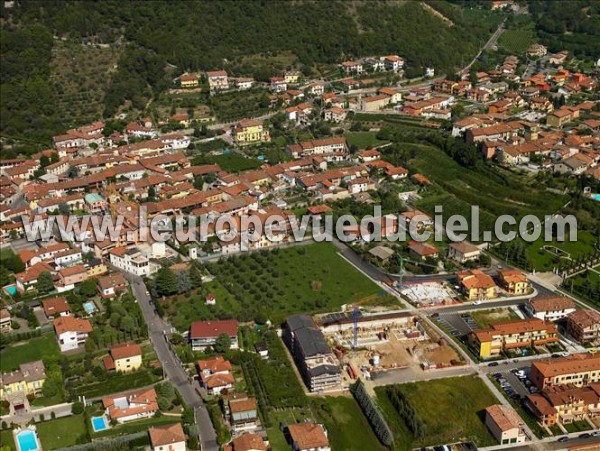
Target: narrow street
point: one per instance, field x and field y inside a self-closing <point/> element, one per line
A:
<point x="172" y="367"/>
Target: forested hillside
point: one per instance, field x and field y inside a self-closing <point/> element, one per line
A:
<point x="199" y="35"/>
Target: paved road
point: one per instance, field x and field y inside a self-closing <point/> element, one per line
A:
<point x="172" y="366"/>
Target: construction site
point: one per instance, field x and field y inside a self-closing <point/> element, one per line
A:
<point x="428" y="294"/>
<point x="368" y="343"/>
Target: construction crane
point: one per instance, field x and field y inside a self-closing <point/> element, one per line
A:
<point x="401" y="271"/>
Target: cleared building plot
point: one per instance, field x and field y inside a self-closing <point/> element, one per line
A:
<point x="429" y="294"/>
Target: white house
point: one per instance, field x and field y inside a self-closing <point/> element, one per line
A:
<point x="550" y="308"/>
<point x="216" y="374"/>
<point x="169" y="437"/>
<point x="130" y="260"/>
<point x="132" y="405"/>
<point x="71" y="332"/>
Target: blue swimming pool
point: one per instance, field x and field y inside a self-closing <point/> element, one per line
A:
<point x="27" y="440"/>
<point x="11" y="289"/>
<point x="99" y="423"/>
<point x="89" y="307"/>
<point x="596" y="197"/>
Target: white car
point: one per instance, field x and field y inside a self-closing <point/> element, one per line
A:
<point x="477" y="302"/>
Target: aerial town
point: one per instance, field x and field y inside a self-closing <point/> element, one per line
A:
<point x="228" y="339"/>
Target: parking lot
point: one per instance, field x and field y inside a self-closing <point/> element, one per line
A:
<point x="514" y="382"/>
<point x="457" y="324"/>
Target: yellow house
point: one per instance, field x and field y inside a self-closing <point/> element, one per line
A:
<point x="477" y="285"/>
<point x="124" y="358"/>
<point x="28" y="380"/>
<point x="291" y="77"/>
<point x="250" y="131"/>
<point x="96" y="270"/>
<point x="189" y="80"/>
<point x="514" y="281"/>
<point x="511" y="335"/>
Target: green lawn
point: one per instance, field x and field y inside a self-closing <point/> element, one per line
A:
<point x="43" y="347"/>
<point x="485" y="318"/>
<point x="577" y="426"/>
<point x="543" y="260"/>
<point x="63" y="432"/>
<point x="451" y="410"/>
<point x="6" y="439"/>
<point x="136" y="426"/>
<point x="117" y="383"/>
<point x="276" y="283"/>
<point x="363" y="140"/>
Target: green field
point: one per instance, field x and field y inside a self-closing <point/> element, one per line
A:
<point x="62" y="432"/>
<point x="458" y="405"/>
<point x="234" y="162"/>
<point x="543" y="260"/>
<point x="307" y="278"/>
<point x="496" y="192"/>
<point x="39" y="348"/>
<point x="485" y="318"/>
<point x="116" y="383"/>
<point x="6" y="440"/>
<point x="516" y="41"/>
<point x="347" y="427"/>
<point x="183" y="310"/>
<point x="363" y="140"/>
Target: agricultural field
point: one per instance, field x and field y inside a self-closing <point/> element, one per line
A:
<point x="459" y="404"/>
<point x="233" y="106"/>
<point x="516" y="41"/>
<point x="309" y="278"/>
<point x="182" y="310"/>
<point x="80" y="76"/>
<point x="229" y="161"/>
<point x="363" y="140"/>
<point x="457" y="188"/>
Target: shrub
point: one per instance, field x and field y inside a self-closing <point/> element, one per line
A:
<point x="76" y="408"/>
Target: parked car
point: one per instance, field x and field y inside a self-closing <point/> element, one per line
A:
<point x="585" y="435"/>
<point x="493" y="364"/>
<point x="596" y="434"/>
<point x="563" y="439"/>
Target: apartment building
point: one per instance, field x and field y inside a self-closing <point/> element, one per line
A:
<point x="512" y="335"/>
<point x="124" y="358"/>
<point x="463" y="251"/>
<point x="476" y="284"/>
<point x="577" y="369"/>
<point x="28" y="380"/>
<point x="318" y="147"/>
<point x="130" y="260"/>
<point x="250" y="131"/>
<point x="205" y="333"/>
<point x="550" y="308"/>
<point x="584" y="326"/>
<point x="513" y="281"/>
<point x="316" y="362"/>
<point x="217" y="80"/>
<point x="71" y="332"/>
<point x="565" y="404"/>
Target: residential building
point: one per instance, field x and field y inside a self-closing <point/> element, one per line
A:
<point x="27" y="380"/>
<point x="250" y="131"/>
<point x="308" y="436"/>
<point x="216" y="374"/>
<point x="247" y="442"/>
<point x="373" y="103"/>
<point x="550" y="308"/>
<point x="505" y="424"/>
<point x="278" y="84"/>
<point x="71" y="332"/>
<point x="316" y="362"/>
<point x="205" y="333"/>
<point x="514" y="281"/>
<point x="243" y="413"/>
<point x="463" y="251"/>
<point x="476" y="284"/>
<point x="217" y="80"/>
<point x="576" y="369"/>
<point x="189" y="80"/>
<point x="124" y="358"/>
<point x="55" y="307"/>
<point x="5" y="320"/>
<point x="565" y="404"/>
<point x="352" y="67"/>
<point x="131" y="405"/>
<point x="335" y="114"/>
<point x="130" y="260"/>
<point x="510" y="335"/>
<point x="318" y="147"/>
<point x="393" y="62"/>
<point x="584" y="326"/>
<point x="111" y="285"/>
<point x="169" y="437"/>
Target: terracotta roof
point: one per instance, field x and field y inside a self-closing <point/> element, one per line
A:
<point x="242" y="405"/>
<point x="145" y="401"/>
<point x="214" y="365"/>
<point x="512" y="275"/>
<point x="218" y="380"/>
<point x="54" y="306"/>
<point x="70" y="324"/>
<point x="202" y="329"/>
<point x="575" y="363"/>
<point x="585" y="318"/>
<point x="506" y="418"/>
<point x="551" y="304"/>
<point x="308" y="435"/>
<point x="475" y="278"/>
<point x="125" y="351"/>
<point x="249" y="442"/>
<point x="166" y="435"/>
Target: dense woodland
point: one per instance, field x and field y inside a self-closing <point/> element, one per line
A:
<point x="161" y="39"/>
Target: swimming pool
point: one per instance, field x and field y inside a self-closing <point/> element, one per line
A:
<point x="99" y="423"/>
<point x="27" y="441"/>
<point x="89" y="307"/>
<point x="596" y="196"/>
<point x="11" y="290"/>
